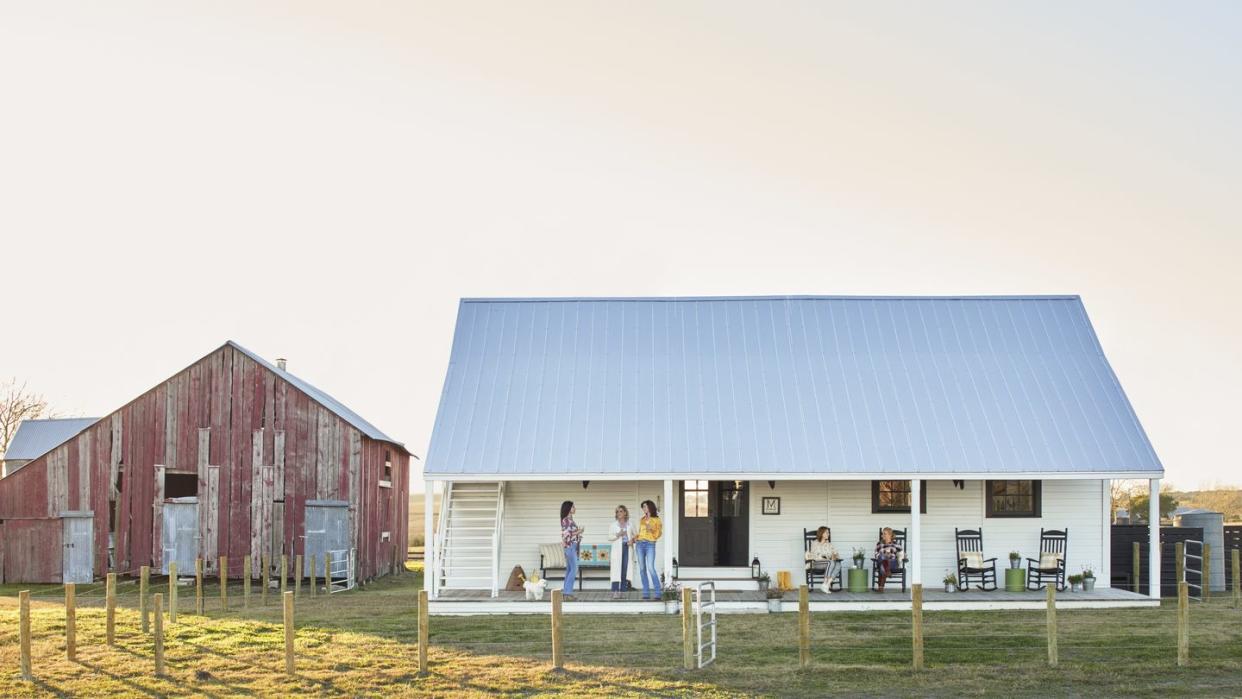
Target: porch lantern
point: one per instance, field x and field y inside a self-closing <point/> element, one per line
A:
<point x="675" y="566"/>
<point x="755" y="570"/>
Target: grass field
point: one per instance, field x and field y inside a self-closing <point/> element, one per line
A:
<point x="364" y="643"/>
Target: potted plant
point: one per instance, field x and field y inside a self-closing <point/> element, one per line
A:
<point x="1015" y="560"/>
<point x="1075" y="583"/>
<point x="950" y="581"/>
<point x="671" y="594"/>
<point x="764" y="580"/>
<point x="1088" y="579"/>
<point x="859" y="556"/>
<point x="774" y="599"/>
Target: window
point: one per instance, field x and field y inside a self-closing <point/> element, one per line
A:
<point x="730" y="498"/>
<point x="694" y="501"/>
<point x="387" y="465"/>
<point x="180" y="485"/>
<point x="1013" y="498"/>
<point x="894" y="496"/>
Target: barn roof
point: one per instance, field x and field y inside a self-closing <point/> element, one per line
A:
<point x="782" y="386"/>
<point x="34" y="438"/>
<point x="320" y="397"/>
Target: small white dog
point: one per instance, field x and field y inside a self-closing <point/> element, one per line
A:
<point x="534" y="588"/>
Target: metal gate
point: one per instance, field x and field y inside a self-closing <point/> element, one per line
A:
<point x="180" y="534"/>
<point x="341" y="577"/>
<point x="327" y="531"/>
<point x="699" y="606"/>
<point x="79" y="547"/>
<point x="1188" y="559"/>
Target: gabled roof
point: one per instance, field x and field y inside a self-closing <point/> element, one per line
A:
<point x="826" y="385"/>
<point x="320" y="397"/>
<point x="34" y="438"/>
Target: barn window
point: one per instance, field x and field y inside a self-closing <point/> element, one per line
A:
<point x="894" y="496"/>
<point x="387" y="465"/>
<point x="1013" y="498"/>
<point x="180" y="485"/>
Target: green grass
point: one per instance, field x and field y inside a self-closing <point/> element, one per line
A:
<point x="365" y="643"/>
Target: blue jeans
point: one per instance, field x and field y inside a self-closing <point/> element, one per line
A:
<point x="571" y="568"/>
<point x="625" y="559"/>
<point x="647" y="567"/>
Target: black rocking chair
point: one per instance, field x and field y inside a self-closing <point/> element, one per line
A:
<point x="1051" y="541"/>
<point x="897" y="572"/>
<point x="815" y="569"/>
<point x="980" y="570"/>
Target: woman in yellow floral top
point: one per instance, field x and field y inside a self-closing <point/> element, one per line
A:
<point x="649" y="530"/>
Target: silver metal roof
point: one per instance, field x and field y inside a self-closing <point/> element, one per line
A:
<point x="825" y="385"/>
<point x="34" y="438"/>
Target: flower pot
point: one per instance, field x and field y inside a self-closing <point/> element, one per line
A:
<point x="763" y="585"/>
<point x="1075" y="587"/>
<point x="774" y="605"/>
<point x="1088" y="584"/>
<point x="1015" y="563"/>
<point x="672" y="606"/>
<point x="949" y="587"/>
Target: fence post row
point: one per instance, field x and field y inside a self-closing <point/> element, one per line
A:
<point x="1179" y="562"/>
<point x="1183" y="623"/>
<point x="198" y="586"/>
<point x="1237" y="579"/>
<point x="265" y="580"/>
<point x="916" y="623"/>
<point x="159" y="633"/>
<point x="312" y="575"/>
<point x="172" y="592"/>
<point x="1052" y="625"/>
<point x="1138" y="566"/>
<point x="287" y="597"/>
<point x="71" y="622"/>
<point x="1205" y="574"/>
<point x="110" y="604"/>
<point x="297" y="575"/>
<point x="224" y="582"/>
<point x="245" y="582"/>
<point x="558" y="660"/>
<point x="424" y="625"/>
<point x="284" y="573"/>
<point x="144" y="580"/>
<point x="804" y="627"/>
<point x="23" y="603"/>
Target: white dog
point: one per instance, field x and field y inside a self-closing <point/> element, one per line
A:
<point x="534" y="588"/>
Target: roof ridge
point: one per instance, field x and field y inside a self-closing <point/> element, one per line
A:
<point x="794" y="297"/>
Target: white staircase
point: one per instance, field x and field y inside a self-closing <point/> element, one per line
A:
<point x="469" y="536"/>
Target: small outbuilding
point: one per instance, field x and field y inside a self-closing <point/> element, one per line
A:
<point x="232" y="456"/>
<point x="34" y="438"/>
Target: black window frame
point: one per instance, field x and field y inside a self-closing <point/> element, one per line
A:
<point x="876" y="508"/>
<point x="1036" y="500"/>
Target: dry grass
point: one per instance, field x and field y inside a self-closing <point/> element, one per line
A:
<point x="364" y="643"/>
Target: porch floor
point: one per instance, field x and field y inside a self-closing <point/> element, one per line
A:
<point x="754" y="601"/>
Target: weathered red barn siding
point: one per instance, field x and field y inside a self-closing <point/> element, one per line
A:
<point x="24" y="550"/>
<point x="250" y="437"/>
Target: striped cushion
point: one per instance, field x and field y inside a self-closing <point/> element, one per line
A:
<point x="974" y="559"/>
<point x="1049" y="560"/>
<point x="553" y="555"/>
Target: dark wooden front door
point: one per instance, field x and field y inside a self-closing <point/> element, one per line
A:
<point x="714" y="524"/>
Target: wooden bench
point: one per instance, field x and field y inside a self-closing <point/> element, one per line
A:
<point x="552" y="558"/>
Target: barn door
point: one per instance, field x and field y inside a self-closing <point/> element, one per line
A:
<point x="327" y="531"/>
<point x="180" y="534"/>
<point x="79" y="551"/>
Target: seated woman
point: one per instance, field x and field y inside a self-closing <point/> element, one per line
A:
<point x="887" y="556"/>
<point x="823" y="556"/>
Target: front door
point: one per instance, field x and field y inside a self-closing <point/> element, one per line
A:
<point x="79" y="556"/>
<point x="327" y="531"/>
<point x="714" y="524"/>
<point x="180" y="534"/>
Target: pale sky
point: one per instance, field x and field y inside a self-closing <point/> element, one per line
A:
<point x="323" y="181"/>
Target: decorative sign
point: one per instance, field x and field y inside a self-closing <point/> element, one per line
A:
<point x="771" y="505"/>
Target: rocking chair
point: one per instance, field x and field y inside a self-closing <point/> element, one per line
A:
<point x="815" y="570"/>
<point x="898" y="571"/>
<point x="1050" y="566"/>
<point x="971" y="565"/>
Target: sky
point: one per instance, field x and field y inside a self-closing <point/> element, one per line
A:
<point x="323" y="181"/>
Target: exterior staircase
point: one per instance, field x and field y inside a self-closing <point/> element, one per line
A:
<point x="469" y="536"/>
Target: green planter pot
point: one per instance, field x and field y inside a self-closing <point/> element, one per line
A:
<point x="1015" y="580"/>
<point x="856" y="579"/>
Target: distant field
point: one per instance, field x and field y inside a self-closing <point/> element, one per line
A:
<point x="416" y="516"/>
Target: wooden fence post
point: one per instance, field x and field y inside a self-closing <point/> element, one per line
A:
<point x="198" y="586"/>
<point x="297" y="575"/>
<point x="266" y="578"/>
<point x="424" y="626"/>
<point x="916" y="623"/>
<point x="804" y="627"/>
<point x="224" y="582"/>
<point x="558" y="661"/>
<point x="1237" y="579"/>
<point x="312" y="575"/>
<point x="144" y="581"/>
<point x="172" y="592"/>
<point x="1179" y="562"/>
<point x="287" y="597"/>
<point x="327" y="571"/>
<point x="71" y="622"/>
<point x="1052" y="625"/>
<point x="159" y="634"/>
<point x="687" y="636"/>
<point x="1183" y="624"/>
<point x="284" y="573"/>
<point x="1138" y="566"/>
<point x="110" y="605"/>
<point x="1205" y="580"/>
<point x="245" y="582"/>
<point x="23" y="602"/>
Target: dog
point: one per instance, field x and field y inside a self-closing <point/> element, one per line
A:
<point x="534" y="588"/>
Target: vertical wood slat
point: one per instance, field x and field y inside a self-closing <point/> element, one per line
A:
<point x="1052" y="625"/>
<point x="23" y="631"/>
<point x="916" y="623"/>
<point x="558" y="660"/>
<point x="158" y="603"/>
<point x="284" y="574"/>
<point x="71" y="622"/>
<point x="687" y="636"/>
<point x="1205" y="577"/>
<point x="157" y="519"/>
<point x="245" y="582"/>
<point x="144" y="579"/>
<point x="1179" y="562"/>
<point x="1183" y="624"/>
<point x="110" y="608"/>
<point x="297" y="575"/>
<point x="266" y="578"/>
<point x="198" y="586"/>
<point x="1138" y="567"/>
<point x="224" y="582"/>
<point x="424" y="628"/>
<point x="172" y="592"/>
<point x="287" y="599"/>
<point x="804" y="627"/>
<point x="1237" y="579"/>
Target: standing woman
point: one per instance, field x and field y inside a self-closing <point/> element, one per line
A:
<point x="649" y="531"/>
<point x="571" y="536"/>
<point x="621" y="533"/>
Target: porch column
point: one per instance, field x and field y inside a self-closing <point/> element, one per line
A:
<point x="1153" y="539"/>
<point x="429" y="538"/>
<point x="669" y="519"/>
<point x="916" y="532"/>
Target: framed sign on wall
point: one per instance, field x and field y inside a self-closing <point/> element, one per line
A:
<point x="771" y="505"/>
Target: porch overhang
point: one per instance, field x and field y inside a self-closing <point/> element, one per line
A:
<point x="789" y="476"/>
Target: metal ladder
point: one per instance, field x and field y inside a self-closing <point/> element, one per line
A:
<point x="710" y="606"/>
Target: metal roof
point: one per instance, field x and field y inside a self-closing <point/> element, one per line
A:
<point x="782" y="385"/>
<point x="320" y="397"/>
<point x="34" y="438"/>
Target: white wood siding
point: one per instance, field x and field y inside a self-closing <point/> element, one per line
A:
<point x="531" y="510"/>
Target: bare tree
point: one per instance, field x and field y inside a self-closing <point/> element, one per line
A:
<point x="18" y="403"/>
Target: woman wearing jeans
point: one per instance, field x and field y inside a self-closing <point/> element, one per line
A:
<point x="571" y="536"/>
<point x="649" y="531"/>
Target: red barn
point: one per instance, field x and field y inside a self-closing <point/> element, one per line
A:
<point x="232" y="456"/>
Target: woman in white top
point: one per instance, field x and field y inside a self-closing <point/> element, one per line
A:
<point x="621" y="533"/>
<point x="823" y="556"/>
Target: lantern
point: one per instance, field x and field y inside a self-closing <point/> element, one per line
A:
<point x="675" y="566"/>
<point x="755" y="570"/>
